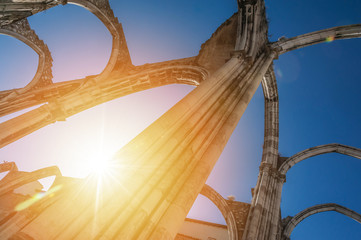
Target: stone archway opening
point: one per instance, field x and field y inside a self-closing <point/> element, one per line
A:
<point x="206" y="217"/>
<point x="17" y="54"/>
<point x="80" y="43"/>
<point x="327" y="176"/>
<point x="290" y="223"/>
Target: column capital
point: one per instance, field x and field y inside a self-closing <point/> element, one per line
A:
<point x="272" y="171"/>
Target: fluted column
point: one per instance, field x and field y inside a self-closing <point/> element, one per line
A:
<point x="163" y="169"/>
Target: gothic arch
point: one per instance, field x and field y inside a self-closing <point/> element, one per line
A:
<point x="292" y="223"/>
<point x="223" y="207"/>
<point x="322" y="149"/>
<point x="14" y="220"/>
<point x="284" y="45"/>
<point x="22" y="31"/>
<point x="95" y="94"/>
<point x="119" y="56"/>
<point x="16" y="181"/>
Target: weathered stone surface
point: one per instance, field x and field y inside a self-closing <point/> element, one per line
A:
<point x="235" y="213"/>
<point x="22" y="31"/>
<point x="291" y="222"/>
<point x="15" y="10"/>
<point x="179" y="150"/>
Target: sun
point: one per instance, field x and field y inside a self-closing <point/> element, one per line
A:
<point x="100" y="166"/>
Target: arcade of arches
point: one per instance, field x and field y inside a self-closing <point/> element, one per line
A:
<point x="183" y="145"/>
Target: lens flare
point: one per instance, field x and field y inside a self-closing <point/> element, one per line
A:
<point x="36" y="197"/>
<point x="330" y="39"/>
<point x="279" y="73"/>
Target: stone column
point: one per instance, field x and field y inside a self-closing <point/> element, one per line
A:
<point x="161" y="172"/>
<point x="264" y="219"/>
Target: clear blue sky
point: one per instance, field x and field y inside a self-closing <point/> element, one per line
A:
<point x="319" y="88"/>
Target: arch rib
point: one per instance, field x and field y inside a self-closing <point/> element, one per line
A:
<point x="119" y="57"/>
<point x="22" y="31"/>
<point x="294" y="221"/>
<point x="271" y="132"/>
<point x="15" y="182"/>
<point x="223" y="207"/>
<point x="335" y="33"/>
<point x="12" y="11"/>
<point x="153" y="75"/>
<point x="8" y="166"/>
<point x="322" y="149"/>
<point x="95" y="94"/>
<point x="15" y="220"/>
<point x="37" y="96"/>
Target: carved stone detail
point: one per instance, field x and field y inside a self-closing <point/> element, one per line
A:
<point x="235" y="213"/>
<point x="22" y="31"/>
<point x="12" y="11"/>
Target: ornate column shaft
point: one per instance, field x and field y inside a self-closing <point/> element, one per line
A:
<point x="264" y="216"/>
<point x="165" y="167"/>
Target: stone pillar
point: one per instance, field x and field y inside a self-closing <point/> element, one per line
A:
<point x="161" y="172"/>
<point x="264" y="219"/>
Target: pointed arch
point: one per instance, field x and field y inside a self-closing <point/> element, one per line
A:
<point x="223" y="207"/>
<point x="344" y="32"/>
<point x="294" y="221"/>
<point x="22" y="31"/>
<point x="94" y="94"/>
<point x="318" y="150"/>
<point x="119" y="57"/>
<point x="17" y="179"/>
